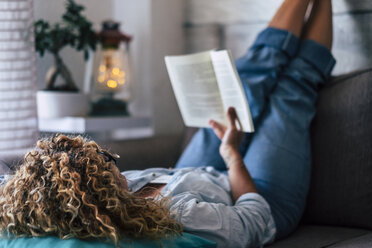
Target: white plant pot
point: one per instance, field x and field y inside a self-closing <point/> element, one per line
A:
<point x="52" y="104"/>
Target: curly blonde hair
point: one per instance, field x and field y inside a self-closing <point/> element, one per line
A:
<point x="68" y="187"/>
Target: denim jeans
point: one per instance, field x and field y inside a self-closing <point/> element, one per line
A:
<point x="281" y="76"/>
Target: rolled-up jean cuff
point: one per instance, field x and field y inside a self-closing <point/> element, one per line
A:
<point x="317" y="55"/>
<point x="280" y="39"/>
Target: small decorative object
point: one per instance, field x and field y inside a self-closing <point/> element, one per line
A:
<point x="75" y="31"/>
<point x="111" y="72"/>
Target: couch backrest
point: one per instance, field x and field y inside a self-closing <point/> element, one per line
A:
<point x="341" y="184"/>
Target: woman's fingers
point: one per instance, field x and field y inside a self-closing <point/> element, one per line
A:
<point x="232" y="117"/>
<point x="218" y="128"/>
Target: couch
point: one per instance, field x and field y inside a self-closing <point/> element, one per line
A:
<point x="339" y="205"/>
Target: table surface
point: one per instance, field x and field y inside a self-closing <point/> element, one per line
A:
<point x="129" y="127"/>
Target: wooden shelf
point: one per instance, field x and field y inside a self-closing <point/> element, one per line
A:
<point x="116" y="128"/>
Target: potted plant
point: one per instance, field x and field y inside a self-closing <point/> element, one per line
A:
<point x="75" y="31"/>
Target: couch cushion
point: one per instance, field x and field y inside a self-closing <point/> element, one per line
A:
<point x="308" y="236"/>
<point x="341" y="185"/>
<point x="364" y="241"/>
<point x="4" y="168"/>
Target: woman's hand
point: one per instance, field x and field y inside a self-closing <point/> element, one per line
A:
<point x="230" y="136"/>
<point x="240" y="180"/>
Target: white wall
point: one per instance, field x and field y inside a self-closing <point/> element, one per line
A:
<point x="167" y="39"/>
<point x="234" y="25"/>
<point x="157" y="30"/>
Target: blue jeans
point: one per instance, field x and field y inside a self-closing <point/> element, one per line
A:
<point x="281" y="76"/>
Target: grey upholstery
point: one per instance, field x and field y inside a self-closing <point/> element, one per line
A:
<point x="4" y="168"/>
<point x="341" y="183"/>
<point x="309" y="236"/>
<point x="363" y="241"/>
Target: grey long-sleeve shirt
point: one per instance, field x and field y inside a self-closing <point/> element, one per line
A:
<point x="201" y="200"/>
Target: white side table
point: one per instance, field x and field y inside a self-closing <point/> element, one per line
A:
<point x="100" y="128"/>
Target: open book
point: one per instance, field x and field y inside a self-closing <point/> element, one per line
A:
<point x="205" y="85"/>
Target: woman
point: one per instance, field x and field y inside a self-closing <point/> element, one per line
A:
<point x="281" y="74"/>
<point x="252" y="192"/>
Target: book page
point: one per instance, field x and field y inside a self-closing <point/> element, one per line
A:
<point x="195" y="86"/>
<point x="231" y="88"/>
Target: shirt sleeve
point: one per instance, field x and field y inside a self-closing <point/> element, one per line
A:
<point x="248" y="223"/>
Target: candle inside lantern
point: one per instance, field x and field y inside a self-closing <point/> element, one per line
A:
<point x="111" y="88"/>
<point x="111" y="74"/>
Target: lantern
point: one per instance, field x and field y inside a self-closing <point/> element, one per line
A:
<point x="111" y="72"/>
